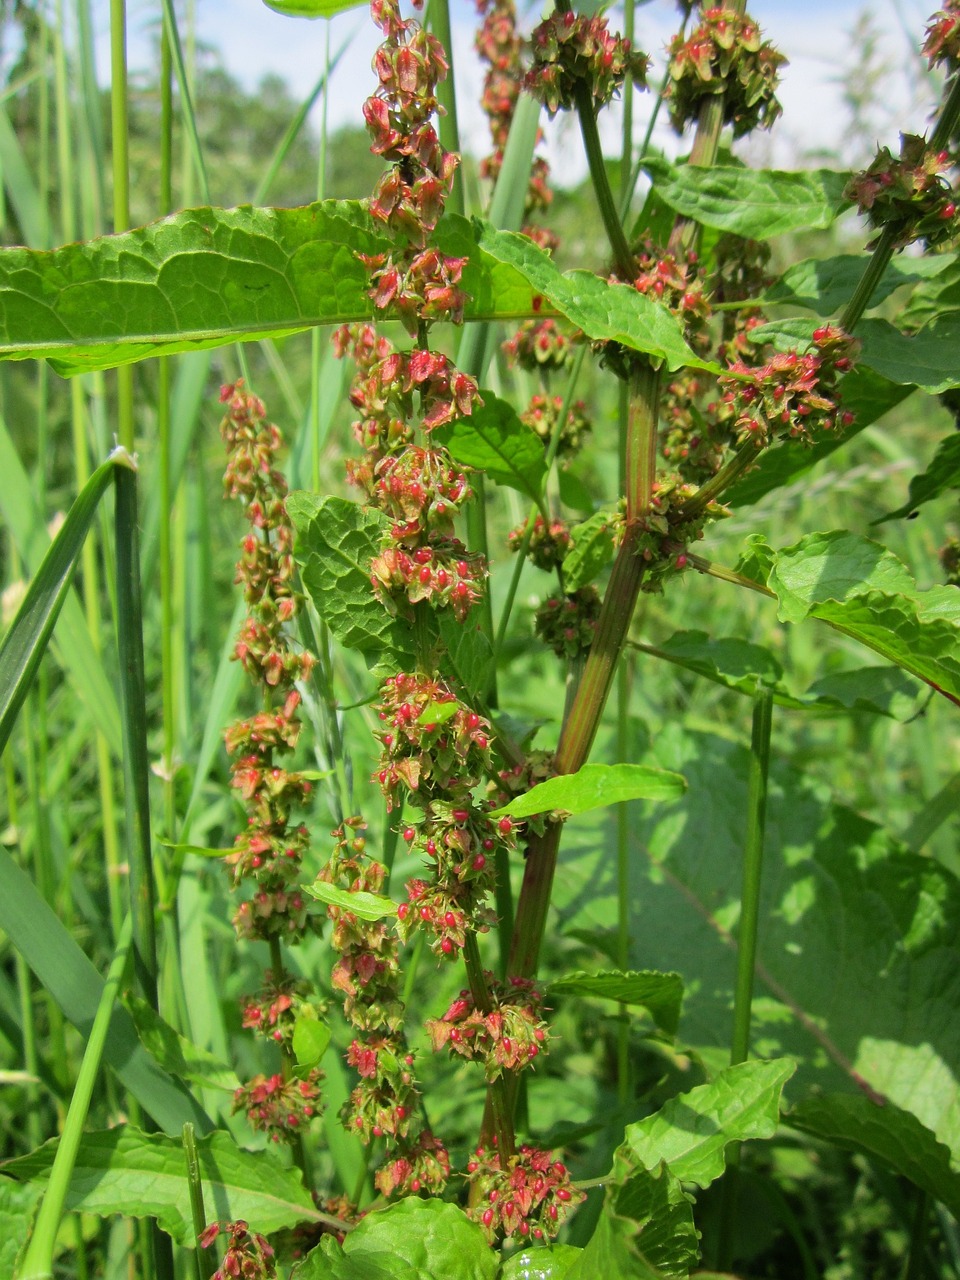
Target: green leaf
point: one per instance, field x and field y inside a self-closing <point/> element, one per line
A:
<point x="645" y="1230"/>
<point x="863" y="590"/>
<point x="310" y="1040"/>
<point x="365" y="906"/>
<point x="468" y="651"/>
<point x="661" y="994"/>
<point x="942" y="474"/>
<point x="593" y="787"/>
<point x="18" y="1201"/>
<point x="140" y="1175"/>
<point x="612" y="312"/>
<point x="311" y="8"/>
<point x="886" y="1133"/>
<point x="758" y="203"/>
<point x="175" y="1053"/>
<point x="933" y="297"/>
<point x="201" y="850"/>
<point x="26" y="640"/>
<point x="549" y="1262"/>
<point x="826" y="285"/>
<point x="591" y="552"/>
<point x="691" y="1132"/>
<point x="864" y="393"/>
<point x="336" y="542"/>
<point x="412" y="1240"/>
<point x="494" y="440"/>
<point x="206" y="277"/>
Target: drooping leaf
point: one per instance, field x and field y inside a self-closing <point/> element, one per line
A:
<point x="175" y="1053"/>
<point x="206" y="277"/>
<point x="593" y="787"/>
<point x="124" y="1171"/>
<point x="365" y="906"/>
<point x="336" y="542"/>
<point x="494" y="440"/>
<point x="863" y="393"/>
<point x="825" y="285"/>
<point x="613" y="312"/>
<point x="591" y="552"/>
<point x="863" y="590"/>
<point x="691" y="1132"/>
<point x="311" y="8"/>
<point x="661" y="994"/>
<point x="411" y="1240"/>
<point x="645" y="1230"/>
<point x="886" y="1133"/>
<point x="549" y="1262"/>
<point x="942" y="475"/>
<point x="758" y="203"/>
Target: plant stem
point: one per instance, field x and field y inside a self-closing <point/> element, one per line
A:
<point x="747" y="943"/>
<point x="203" y="1261"/>
<point x="623" y="258"/>
<point x="446" y="95"/>
<point x="497" y="1093"/>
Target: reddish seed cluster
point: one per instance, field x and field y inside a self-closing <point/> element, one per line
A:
<point x="248" y="1256"/>
<point x="567" y="624"/>
<point x="269" y="851"/>
<point x="539" y="346"/>
<point x="527" y="1196"/>
<point x="543" y="415"/>
<point x="791" y="395"/>
<point x="909" y="196"/>
<point x="277" y="1107"/>
<point x="507" y="1037"/>
<point x="724" y="55"/>
<point x="548" y="544"/>
<point x="668" y="530"/>
<point x="273" y="1010"/>
<point x="679" y="286"/>
<point x="572" y="52"/>
<point x="384" y="1102"/>
<point x="942" y="43"/>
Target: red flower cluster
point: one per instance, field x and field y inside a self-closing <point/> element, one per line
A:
<point x="526" y="1196"/>
<point x="571" y="51"/>
<point x="506" y="1038"/>
<point x="539" y="346"/>
<point x="791" y="395"/>
<point x="273" y="1011"/>
<point x="543" y="415"/>
<point x="248" y="1256"/>
<point x="942" y="45"/>
<point x="280" y="1108"/>
<point x="725" y="55"/>
<point x="678" y="286"/>
<point x="567" y="624"/>
<point x="909" y="195"/>
<point x="548" y="544"/>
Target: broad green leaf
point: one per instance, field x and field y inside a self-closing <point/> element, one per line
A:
<point x="758" y="203"/>
<point x="886" y="1133"/>
<point x="76" y="987"/>
<point x="942" y="475"/>
<point x="336" y="542"/>
<point x="26" y="639"/>
<point x="858" y="968"/>
<point x="691" y="1132"/>
<point x="926" y="359"/>
<point x="825" y="285"/>
<point x="494" y="440"/>
<point x="591" y="552"/>
<point x="365" y="906"/>
<point x="885" y="691"/>
<point x="593" y="787"/>
<point x="140" y="1175"/>
<point x="310" y="1040"/>
<point x="411" y="1240"/>
<point x="468" y="652"/>
<point x="18" y="1201"/>
<point x="863" y="590"/>
<point x="864" y="393"/>
<point x="933" y="298"/>
<point x="206" y="277"/>
<point x="175" y="1053"/>
<point x="311" y="8"/>
<point x="612" y="312"/>
<point x="549" y="1262"/>
<point x="645" y="1230"/>
<point x="661" y="994"/>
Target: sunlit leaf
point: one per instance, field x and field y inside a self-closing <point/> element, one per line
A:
<point x="594" y="786"/>
<point x="826" y="285"/>
<point x="591" y="551"/>
<point x="366" y="906"/>
<point x="494" y="440"/>
<point x="661" y="994"/>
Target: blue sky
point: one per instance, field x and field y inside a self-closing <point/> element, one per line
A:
<point x="814" y="35"/>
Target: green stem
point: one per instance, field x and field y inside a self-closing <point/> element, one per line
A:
<point x="203" y="1259"/>
<point x="916" y="1267"/>
<point x="747" y="943"/>
<point x="497" y="1093"/>
<point x="446" y="95"/>
<point x="623" y="258"/>
<point x="37" y="1263"/>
